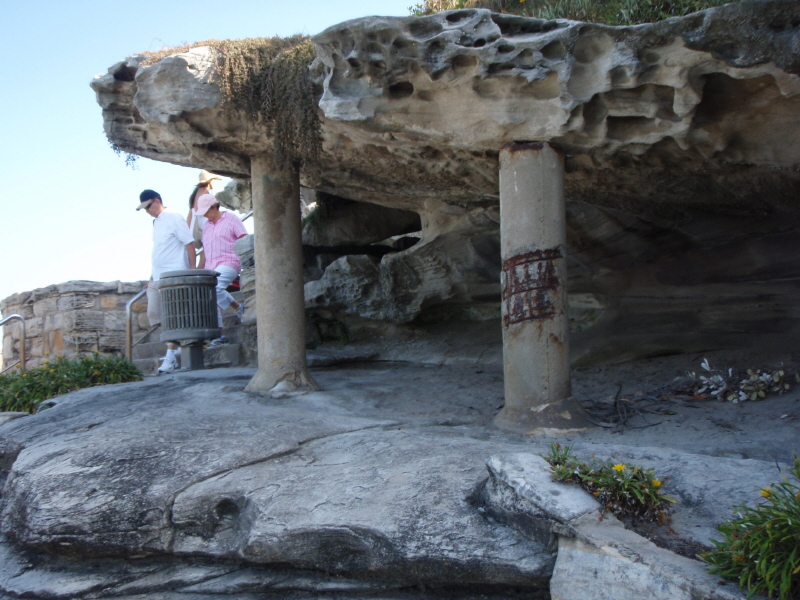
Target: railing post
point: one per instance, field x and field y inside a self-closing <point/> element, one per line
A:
<point x="22" y="344"/>
<point x="24" y="339"/>
<point x="129" y="325"/>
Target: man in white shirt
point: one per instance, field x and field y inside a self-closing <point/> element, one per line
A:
<point x="173" y="250"/>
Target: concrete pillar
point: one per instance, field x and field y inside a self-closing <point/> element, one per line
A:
<point x="533" y="238"/>
<point x="280" y="303"/>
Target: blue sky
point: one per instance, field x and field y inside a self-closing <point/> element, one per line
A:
<point x="67" y="200"/>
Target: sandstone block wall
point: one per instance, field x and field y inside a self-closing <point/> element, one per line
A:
<point x="71" y="318"/>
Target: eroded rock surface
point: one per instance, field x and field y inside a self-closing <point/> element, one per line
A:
<point x="681" y="158"/>
<point x="419" y="107"/>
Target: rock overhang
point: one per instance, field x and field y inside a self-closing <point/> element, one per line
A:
<point x="417" y="107"/>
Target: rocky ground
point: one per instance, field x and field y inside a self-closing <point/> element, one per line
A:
<point x="765" y="430"/>
<point x="389" y="483"/>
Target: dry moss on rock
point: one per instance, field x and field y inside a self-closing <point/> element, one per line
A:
<point x="610" y="12"/>
<point x="267" y="79"/>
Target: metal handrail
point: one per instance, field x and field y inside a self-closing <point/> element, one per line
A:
<point x="9" y="367"/>
<point x="129" y="344"/>
<point x="21" y="319"/>
<point x="129" y="324"/>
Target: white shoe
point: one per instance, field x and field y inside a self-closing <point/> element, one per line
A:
<point x="168" y="365"/>
<point x="240" y="311"/>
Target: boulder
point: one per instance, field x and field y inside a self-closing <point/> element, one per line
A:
<point x="597" y="556"/>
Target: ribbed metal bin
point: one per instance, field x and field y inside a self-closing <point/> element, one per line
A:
<point x="188" y="305"/>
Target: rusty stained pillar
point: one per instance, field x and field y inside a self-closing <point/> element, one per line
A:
<point x="533" y="238"/>
<point x="280" y="303"/>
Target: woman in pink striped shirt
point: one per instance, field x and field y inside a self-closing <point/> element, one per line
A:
<point x="219" y="235"/>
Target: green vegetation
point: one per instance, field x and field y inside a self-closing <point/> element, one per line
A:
<point x="25" y="391"/>
<point x="267" y="79"/>
<point x="761" y="545"/>
<point x="626" y="491"/>
<point x="130" y="159"/>
<point x="610" y="12"/>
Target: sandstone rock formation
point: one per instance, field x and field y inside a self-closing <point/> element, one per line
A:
<point x="680" y="137"/>
<point x="190" y="486"/>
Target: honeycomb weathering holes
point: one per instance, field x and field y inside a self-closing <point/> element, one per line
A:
<point x="511" y="25"/>
<point x="554" y="50"/>
<point x="459" y="15"/>
<point x="588" y="49"/>
<point x="125" y="74"/>
<point x="462" y="62"/>
<point x="400" y="90"/>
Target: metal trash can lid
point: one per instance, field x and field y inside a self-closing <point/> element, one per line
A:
<point x="189" y="273"/>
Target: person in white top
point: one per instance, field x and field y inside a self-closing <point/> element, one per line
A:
<point x="173" y="250"/>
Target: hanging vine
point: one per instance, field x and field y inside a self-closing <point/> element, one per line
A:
<point x="267" y="81"/>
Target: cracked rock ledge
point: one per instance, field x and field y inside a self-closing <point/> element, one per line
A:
<point x="192" y="488"/>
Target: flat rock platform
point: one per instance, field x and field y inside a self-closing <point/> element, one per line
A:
<point x="389" y="483"/>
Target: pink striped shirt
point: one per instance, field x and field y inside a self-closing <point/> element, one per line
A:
<point x="218" y="240"/>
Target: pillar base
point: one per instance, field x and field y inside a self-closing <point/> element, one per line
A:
<point x="557" y="418"/>
<point x="282" y="386"/>
<point x="192" y="356"/>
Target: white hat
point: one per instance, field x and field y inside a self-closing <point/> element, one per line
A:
<point x="204" y="202"/>
<point x="206" y="176"/>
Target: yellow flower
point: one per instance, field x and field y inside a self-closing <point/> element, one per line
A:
<point x="97" y="372"/>
<point x="24" y="374"/>
<point x="766" y="492"/>
<point x="52" y="370"/>
<point x="619" y="467"/>
<point x="656" y="483"/>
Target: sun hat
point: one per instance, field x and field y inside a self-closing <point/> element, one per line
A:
<point x="206" y="176"/>
<point x="204" y="202"/>
<point x="145" y="197"/>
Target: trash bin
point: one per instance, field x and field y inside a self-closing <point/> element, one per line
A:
<point x="189" y="311"/>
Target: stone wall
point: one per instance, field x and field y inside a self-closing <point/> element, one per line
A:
<point x="71" y="318"/>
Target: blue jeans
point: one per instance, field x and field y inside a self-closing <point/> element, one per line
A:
<point x="224" y="279"/>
